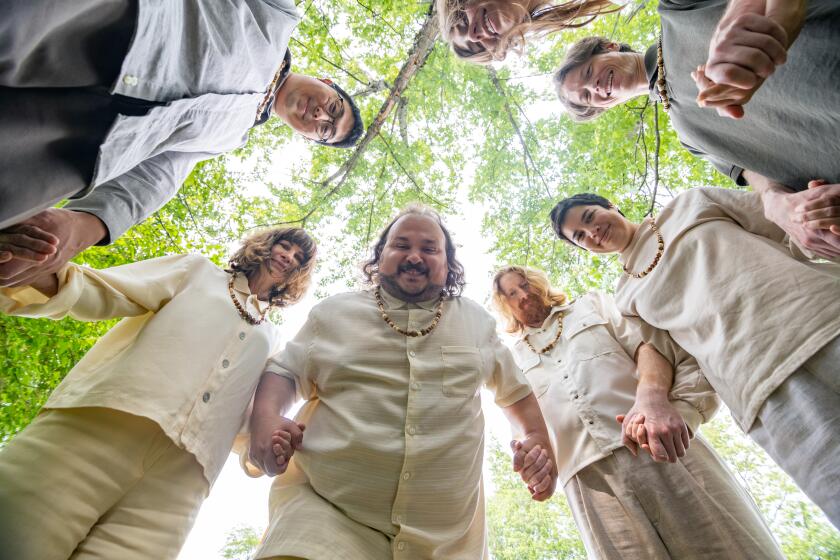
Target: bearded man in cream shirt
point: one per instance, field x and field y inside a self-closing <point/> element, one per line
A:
<point x="390" y="463"/>
<point x="589" y="366"/>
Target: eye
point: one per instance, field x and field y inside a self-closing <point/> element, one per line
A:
<point x="589" y="71"/>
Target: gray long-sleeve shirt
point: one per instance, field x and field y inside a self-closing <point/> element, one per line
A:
<point x="790" y="131"/>
<point x="209" y="63"/>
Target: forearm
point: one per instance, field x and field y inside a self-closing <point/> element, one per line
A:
<point x="764" y="185"/>
<point x="790" y="14"/>
<point x="526" y="419"/>
<point x="274" y="397"/>
<point x="656" y="375"/>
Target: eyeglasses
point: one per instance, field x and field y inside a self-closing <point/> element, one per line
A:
<point x="335" y="110"/>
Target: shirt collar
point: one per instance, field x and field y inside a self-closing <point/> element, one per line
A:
<point x="240" y="285"/>
<point x="285" y="69"/>
<point x="392" y="302"/>
<point x="552" y="316"/>
<point x="652" y="71"/>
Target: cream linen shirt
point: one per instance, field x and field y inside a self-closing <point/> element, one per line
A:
<point x="394" y="430"/>
<point x="729" y="291"/>
<point x="182" y="357"/>
<point x="590" y="376"/>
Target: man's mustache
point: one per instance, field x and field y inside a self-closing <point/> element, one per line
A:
<point x="418" y="267"/>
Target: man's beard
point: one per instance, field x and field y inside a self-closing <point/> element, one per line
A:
<point x="536" y="312"/>
<point x="389" y="283"/>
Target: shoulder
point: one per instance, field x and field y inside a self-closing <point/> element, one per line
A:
<point x="338" y="303"/>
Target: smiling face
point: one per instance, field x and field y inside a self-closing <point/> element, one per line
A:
<point x="598" y="229"/>
<point x="413" y="265"/>
<point x="606" y="79"/>
<point x="482" y="24"/>
<point x="526" y="305"/>
<point x="285" y="258"/>
<point x="313" y="108"/>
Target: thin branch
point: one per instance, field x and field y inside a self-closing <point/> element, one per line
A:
<point x="166" y="231"/>
<point x="378" y="16"/>
<point x="655" y="159"/>
<point x="333" y="64"/>
<point x="417" y="186"/>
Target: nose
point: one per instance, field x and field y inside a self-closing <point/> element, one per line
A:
<point x="414" y="257"/>
<point x="475" y="29"/>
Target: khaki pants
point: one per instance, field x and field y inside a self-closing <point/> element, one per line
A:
<point x="633" y="508"/>
<point x="96" y="483"/>
<point x="799" y="427"/>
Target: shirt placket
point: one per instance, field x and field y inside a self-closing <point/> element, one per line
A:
<point x="576" y="389"/>
<point x="400" y="513"/>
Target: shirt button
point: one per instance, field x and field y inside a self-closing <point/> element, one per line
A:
<point x="406" y="476"/>
<point x="592" y="421"/>
<point x="398" y="519"/>
<point x="412" y="353"/>
<point x="400" y="545"/>
<point x="577" y="396"/>
<point x="130" y="80"/>
<point x="565" y="377"/>
<point x="415" y="386"/>
<point x="205" y="397"/>
<point x="242" y="336"/>
<point x="412" y="430"/>
<point x="225" y="363"/>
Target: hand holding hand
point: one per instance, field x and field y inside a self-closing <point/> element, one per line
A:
<point x="43" y="243"/>
<point x="810" y="217"/>
<point x="728" y="101"/>
<point x="274" y="439"/>
<point x="655" y="425"/>
<point x="531" y="460"/>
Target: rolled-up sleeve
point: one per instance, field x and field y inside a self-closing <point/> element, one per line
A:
<point x="87" y="294"/>
<point x="507" y="382"/>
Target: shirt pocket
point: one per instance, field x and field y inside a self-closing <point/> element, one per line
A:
<point x="537" y="378"/>
<point x="589" y="338"/>
<point x="461" y="367"/>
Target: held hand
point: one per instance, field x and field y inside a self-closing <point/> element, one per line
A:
<point x="284" y="443"/>
<point x="728" y="101"/>
<point x="656" y="426"/>
<point x="262" y="453"/>
<point x="531" y="460"/>
<point x="746" y="47"/>
<point x="43" y="243"/>
<point x="810" y="217"/>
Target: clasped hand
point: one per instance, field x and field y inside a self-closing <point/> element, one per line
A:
<point x="273" y="442"/>
<point x="655" y="426"/>
<point x="531" y="460"/>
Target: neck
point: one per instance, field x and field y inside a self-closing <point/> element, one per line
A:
<point x="256" y="287"/>
<point x="634" y="228"/>
<point x="279" y="105"/>
<point x="395" y="291"/>
<point x="640" y="84"/>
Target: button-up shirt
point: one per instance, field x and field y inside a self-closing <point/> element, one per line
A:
<point x="589" y="377"/>
<point x="182" y="357"/>
<point x="729" y="290"/>
<point x="394" y="429"/>
<point x="210" y="64"/>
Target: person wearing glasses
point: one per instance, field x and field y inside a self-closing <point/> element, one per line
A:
<point x="722" y="280"/>
<point x="112" y="103"/>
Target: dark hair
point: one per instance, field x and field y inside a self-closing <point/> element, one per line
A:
<point x="577" y="55"/>
<point x="558" y="213"/>
<point x="358" y="129"/>
<point x="256" y="250"/>
<point x="454" y="278"/>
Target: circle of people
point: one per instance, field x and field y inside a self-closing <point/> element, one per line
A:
<point x="727" y="295"/>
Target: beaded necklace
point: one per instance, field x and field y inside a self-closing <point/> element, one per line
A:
<point x="411" y="333"/>
<point x="242" y="311"/>
<point x="659" y="251"/>
<point x="660" y="80"/>
<point x="552" y="343"/>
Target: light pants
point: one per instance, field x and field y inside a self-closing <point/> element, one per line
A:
<point x="96" y="483"/>
<point x="799" y="427"/>
<point x="636" y="509"/>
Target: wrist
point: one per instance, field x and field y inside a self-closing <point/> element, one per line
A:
<point x="91" y="230"/>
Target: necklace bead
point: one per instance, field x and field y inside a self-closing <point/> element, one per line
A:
<point x="659" y="251"/>
<point x="661" y="88"/>
<point x="411" y="333"/>
<point x="553" y="343"/>
<point x="241" y="310"/>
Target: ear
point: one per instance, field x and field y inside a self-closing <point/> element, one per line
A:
<point x="326" y="81"/>
<point x="613" y="46"/>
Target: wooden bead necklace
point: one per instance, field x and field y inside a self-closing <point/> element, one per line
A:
<point x="659" y="251"/>
<point x="242" y="311"/>
<point x="660" y="80"/>
<point x="552" y="343"/>
<point x="411" y="333"/>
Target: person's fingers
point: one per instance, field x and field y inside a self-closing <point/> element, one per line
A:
<point x="544" y="479"/>
<point x="679" y="448"/>
<point x="538" y="475"/>
<point x="282" y="434"/>
<point x="835" y="230"/>
<point x="684" y="435"/>
<point x="620" y="418"/>
<point x="640" y="434"/>
<point x="296" y="433"/>
<point x="657" y="449"/>
<point x="25" y="248"/>
<point x="301" y="425"/>
<point x="667" y="441"/>
<point x="518" y="455"/>
<point x="530" y="471"/>
<point x="5" y="256"/>
<point x="34" y="232"/>
<point x="281" y="446"/>
<point x="814" y="183"/>
<point x="281" y="461"/>
<point x="824" y="223"/>
<point x="531" y="458"/>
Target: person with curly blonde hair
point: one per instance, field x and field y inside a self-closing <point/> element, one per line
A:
<point x="481" y="31"/>
<point x="590" y="367"/>
<point x="128" y="445"/>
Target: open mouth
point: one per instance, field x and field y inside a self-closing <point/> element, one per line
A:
<point x="610" y="77"/>
<point x="488" y="25"/>
<point x="604" y="236"/>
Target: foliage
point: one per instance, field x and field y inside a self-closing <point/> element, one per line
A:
<point x="240" y="544"/>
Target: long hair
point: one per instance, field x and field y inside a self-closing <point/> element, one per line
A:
<point x="539" y="283"/>
<point x="455" y="281"/>
<point x="578" y="54"/>
<point x="256" y="250"/>
<point x="541" y="21"/>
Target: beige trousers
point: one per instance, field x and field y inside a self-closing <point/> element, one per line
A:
<point x="633" y="508"/>
<point x="96" y="483"/>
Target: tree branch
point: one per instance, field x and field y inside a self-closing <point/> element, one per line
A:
<point x="655" y="159"/>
